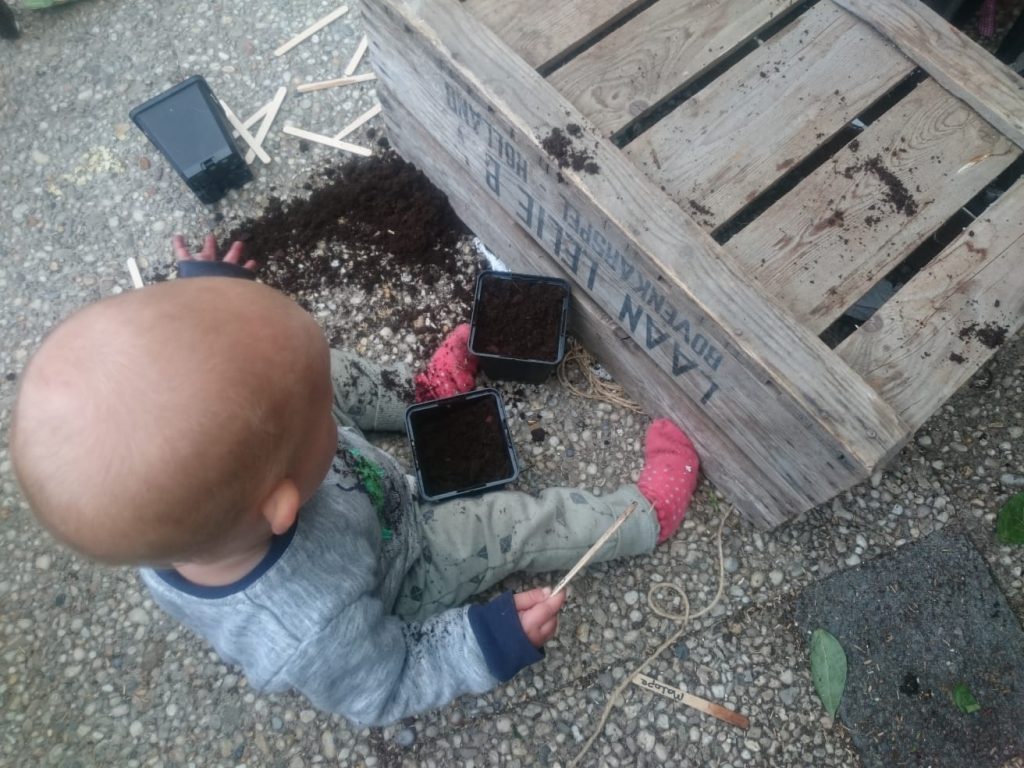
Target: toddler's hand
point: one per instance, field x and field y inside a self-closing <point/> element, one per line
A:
<point x="538" y="613"/>
<point x="209" y="252"/>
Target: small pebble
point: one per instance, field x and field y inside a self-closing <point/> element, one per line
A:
<point x="405" y="738"/>
<point x="1011" y="480"/>
<point x="645" y="740"/>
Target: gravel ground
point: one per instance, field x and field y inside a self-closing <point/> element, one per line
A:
<point x="93" y="675"/>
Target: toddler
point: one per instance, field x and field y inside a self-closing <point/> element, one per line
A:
<point x="202" y="431"/>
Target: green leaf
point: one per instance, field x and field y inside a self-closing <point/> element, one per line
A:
<point x="1010" y="523"/>
<point x="964" y="699"/>
<point x="828" y="669"/>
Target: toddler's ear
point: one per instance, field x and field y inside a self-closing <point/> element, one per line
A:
<point x="281" y="506"/>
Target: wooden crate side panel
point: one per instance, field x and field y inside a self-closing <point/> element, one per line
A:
<point x="775" y="390"/>
<point x="959" y="64"/>
<point x="823" y="245"/>
<point x="539" y="30"/>
<point x="728" y="143"/>
<point x="763" y="500"/>
<point x="661" y="49"/>
<point x="928" y="340"/>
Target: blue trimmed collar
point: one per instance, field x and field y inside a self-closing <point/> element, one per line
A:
<point x="278" y="545"/>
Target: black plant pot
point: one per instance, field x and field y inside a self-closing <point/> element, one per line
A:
<point x="519" y="324"/>
<point x="461" y="445"/>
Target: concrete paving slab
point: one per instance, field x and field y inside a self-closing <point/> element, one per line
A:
<point x="914" y="625"/>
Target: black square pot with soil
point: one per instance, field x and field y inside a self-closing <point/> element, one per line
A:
<point x="518" y="325"/>
<point x="461" y="445"/>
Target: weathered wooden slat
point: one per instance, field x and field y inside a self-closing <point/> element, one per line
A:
<point x="766" y="501"/>
<point x="661" y="49"/>
<point x="823" y="246"/>
<point x="959" y="64"/>
<point x="926" y="341"/>
<point x="539" y="30"/>
<point x="783" y="398"/>
<point x="728" y="143"/>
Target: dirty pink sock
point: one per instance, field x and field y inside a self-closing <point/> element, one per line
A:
<point x="451" y="370"/>
<point x="669" y="475"/>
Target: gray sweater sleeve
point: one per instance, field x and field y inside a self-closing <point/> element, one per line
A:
<point x="374" y="669"/>
<point x="315" y="617"/>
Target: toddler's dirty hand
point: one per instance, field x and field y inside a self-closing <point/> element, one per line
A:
<point x="538" y="613"/>
<point x="209" y="252"/>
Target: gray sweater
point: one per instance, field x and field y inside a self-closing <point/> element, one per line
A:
<point x="315" y="615"/>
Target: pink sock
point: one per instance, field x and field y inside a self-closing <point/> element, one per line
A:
<point x="451" y="370"/>
<point x="669" y="475"/>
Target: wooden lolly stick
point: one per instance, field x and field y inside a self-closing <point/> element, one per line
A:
<point x="244" y="133"/>
<point x="255" y="117"/>
<point x="589" y="554"/>
<point x="350" y="80"/>
<point x="133" y="272"/>
<point x="357" y="57"/>
<point x="695" y="702"/>
<point x="369" y="114"/>
<point x="311" y="30"/>
<point x="319" y="138"/>
<point x="261" y="134"/>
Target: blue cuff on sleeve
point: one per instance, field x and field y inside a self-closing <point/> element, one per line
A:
<point x="199" y="268"/>
<point x="505" y="646"/>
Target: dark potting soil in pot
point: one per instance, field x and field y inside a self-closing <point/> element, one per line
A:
<point x="519" y="319"/>
<point x="461" y="445"/>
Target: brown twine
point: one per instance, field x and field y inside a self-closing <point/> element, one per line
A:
<point x="596" y="388"/>
<point x="683" y="619"/>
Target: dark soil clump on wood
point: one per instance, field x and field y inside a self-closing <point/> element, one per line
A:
<point x="990" y="334"/>
<point x="461" y="445"/>
<point x="519" y="319"/>
<point x="374" y="219"/>
<point x="559" y="145"/>
<point x="896" y="193"/>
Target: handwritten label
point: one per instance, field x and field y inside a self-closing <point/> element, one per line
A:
<point x="650" y="684"/>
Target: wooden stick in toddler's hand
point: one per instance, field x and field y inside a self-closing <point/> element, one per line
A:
<point x="589" y="554"/>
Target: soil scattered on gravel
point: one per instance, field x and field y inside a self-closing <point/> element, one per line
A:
<point x="374" y="230"/>
<point x="374" y="219"/>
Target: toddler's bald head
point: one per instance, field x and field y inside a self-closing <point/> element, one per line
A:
<point x="148" y="423"/>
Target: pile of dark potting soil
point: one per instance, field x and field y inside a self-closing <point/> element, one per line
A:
<point x="519" y="319"/>
<point x="461" y="445"/>
<point x="375" y="220"/>
<point x="372" y="249"/>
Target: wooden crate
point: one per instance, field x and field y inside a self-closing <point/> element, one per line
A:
<point x="691" y="166"/>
